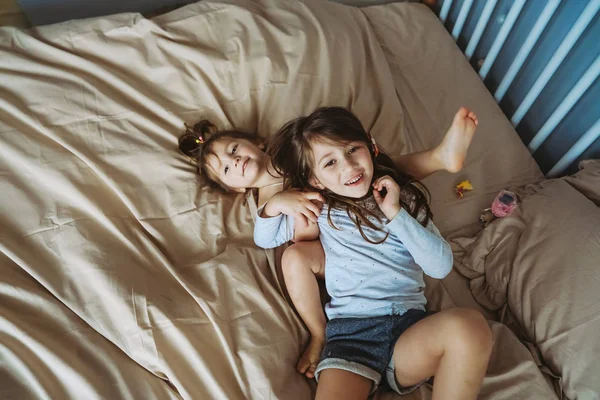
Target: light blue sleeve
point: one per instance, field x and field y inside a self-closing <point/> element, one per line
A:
<point x="273" y="231"/>
<point x="425" y="244"/>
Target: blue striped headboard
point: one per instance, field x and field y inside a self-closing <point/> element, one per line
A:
<point x="541" y="61"/>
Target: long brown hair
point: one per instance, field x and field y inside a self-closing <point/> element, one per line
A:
<point x="291" y="154"/>
<point x="197" y="143"/>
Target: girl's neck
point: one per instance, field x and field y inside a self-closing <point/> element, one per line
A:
<point x="269" y="177"/>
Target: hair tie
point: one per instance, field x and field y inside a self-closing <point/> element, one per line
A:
<point x="375" y="148"/>
<point x="200" y="140"/>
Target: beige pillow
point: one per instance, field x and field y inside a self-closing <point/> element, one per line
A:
<point x="544" y="262"/>
<point x="587" y="180"/>
<point x="555" y="282"/>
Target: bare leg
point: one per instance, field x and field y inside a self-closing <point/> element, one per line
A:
<point x="449" y="155"/>
<point x="453" y="345"/>
<point x="302" y="263"/>
<point x="420" y="165"/>
<point x="337" y="384"/>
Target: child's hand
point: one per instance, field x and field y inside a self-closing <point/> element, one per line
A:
<point x="390" y="204"/>
<point x="300" y="205"/>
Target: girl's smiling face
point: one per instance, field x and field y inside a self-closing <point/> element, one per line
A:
<point x="237" y="163"/>
<point x="345" y="169"/>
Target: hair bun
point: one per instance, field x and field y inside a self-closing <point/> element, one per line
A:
<point x="191" y="142"/>
<point x="204" y="128"/>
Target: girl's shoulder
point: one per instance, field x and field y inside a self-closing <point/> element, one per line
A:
<point x="264" y="194"/>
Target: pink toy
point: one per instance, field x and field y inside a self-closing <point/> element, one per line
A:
<point x="504" y="204"/>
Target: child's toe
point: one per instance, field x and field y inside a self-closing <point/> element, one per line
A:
<point x="302" y="367"/>
<point x="310" y="372"/>
<point x="462" y="112"/>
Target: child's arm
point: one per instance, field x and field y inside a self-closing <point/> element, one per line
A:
<point x="305" y="231"/>
<point x="289" y="215"/>
<point x="271" y="232"/>
<point x="425" y="244"/>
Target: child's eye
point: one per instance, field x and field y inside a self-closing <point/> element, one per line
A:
<point x="234" y="149"/>
<point x="330" y="163"/>
<point x="352" y="150"/>
<point x="226" y="169"/>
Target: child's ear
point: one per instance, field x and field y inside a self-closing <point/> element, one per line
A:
<point x="261" y="146"/>
<point x="315" y="183"/>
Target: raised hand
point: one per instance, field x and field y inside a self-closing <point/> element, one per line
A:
<point x="300" y="205"/>
<point x="390" y="204"/>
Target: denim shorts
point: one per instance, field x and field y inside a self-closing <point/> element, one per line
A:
<point x="365" y="347"/>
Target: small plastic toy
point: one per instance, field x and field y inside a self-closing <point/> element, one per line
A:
<point x="462" y="187"/>
<point x="504" y="204"/>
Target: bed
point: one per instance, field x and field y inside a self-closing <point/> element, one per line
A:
<point x="123" y="276"/>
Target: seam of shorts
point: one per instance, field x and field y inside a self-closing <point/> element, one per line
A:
<point x="395" y="385"/>
<point x="351" y="366"/>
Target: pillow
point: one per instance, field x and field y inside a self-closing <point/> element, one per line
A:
<point x="587" y="180"/>
<point x="543" y="262"/>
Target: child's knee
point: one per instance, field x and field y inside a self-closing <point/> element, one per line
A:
<point x="294" y="257"/>
<point x="300" y="255"/>
<point x="291" y="257"/>
<point x="471" y="331"/>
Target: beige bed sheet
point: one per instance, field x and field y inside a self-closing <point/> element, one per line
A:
<point x="100" y="210"/>
<point x="433" y="79"/>
<point x="122" y="275"/>
<point x="541" y="264"/>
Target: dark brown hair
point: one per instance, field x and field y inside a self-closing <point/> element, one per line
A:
<point x="197" y="143"/>
<point x="291" y="155"/>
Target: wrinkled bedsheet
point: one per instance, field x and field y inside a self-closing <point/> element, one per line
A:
<point x="121" y="275"/>
<point x="541" y="267"/>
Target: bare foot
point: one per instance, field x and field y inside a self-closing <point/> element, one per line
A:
<point x="307" y="364"/>
<point x="453" y="149"/>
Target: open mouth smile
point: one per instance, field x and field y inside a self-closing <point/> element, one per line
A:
<point x="356" y="180"/>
